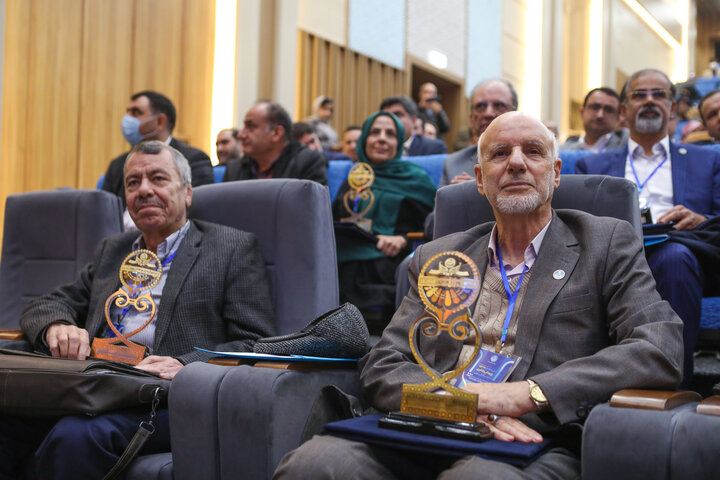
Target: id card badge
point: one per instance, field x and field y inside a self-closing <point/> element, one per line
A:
<point x="488" y="367"/>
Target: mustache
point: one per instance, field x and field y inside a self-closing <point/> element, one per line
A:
<point x="151" y="201"/>
<point x="650" y="108"/>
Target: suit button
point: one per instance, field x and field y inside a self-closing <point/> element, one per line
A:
<point x="581" y="412"/>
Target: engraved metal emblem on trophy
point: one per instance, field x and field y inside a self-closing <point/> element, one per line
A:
<point x="139" y="273"/>
<point x="448" y="284"/>
<point x="359" y="198"/>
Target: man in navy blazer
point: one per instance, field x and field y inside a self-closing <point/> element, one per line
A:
<point x="406" y="110"/>
<point x="679" y="183"/>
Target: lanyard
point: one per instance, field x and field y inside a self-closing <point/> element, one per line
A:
<point x="637" y="180"/>
<point x="512" y="298"/>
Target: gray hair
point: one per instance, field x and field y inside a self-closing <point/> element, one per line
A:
<point x="513" y="93"/>
<point x="154" y="147"/>
<point x="554" y="148"/>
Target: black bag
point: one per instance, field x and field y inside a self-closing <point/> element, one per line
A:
<point x="38" y="385"/>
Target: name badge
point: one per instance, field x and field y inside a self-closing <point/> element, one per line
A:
<point x="488" y="367"/>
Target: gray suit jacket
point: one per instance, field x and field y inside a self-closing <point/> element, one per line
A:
<point x="216" y="295"/>
<point x="599" y="329"/>
<point x="461" y="161"/>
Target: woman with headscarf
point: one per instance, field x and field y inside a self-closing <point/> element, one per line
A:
<point x="403" y="196"/>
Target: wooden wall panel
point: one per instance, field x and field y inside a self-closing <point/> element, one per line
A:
<point x="70" y="68"/>
<point x="53" y="105"/>
<point x="356" y="83"/>
<point x="194" y="102"/>
<point x="105" y="85"/>
<point x="14" y="101"/>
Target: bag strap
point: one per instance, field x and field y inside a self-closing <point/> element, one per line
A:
<point x="144" y="431"/>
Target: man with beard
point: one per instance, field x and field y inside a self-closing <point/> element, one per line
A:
<point x="600" y="114"/>
<point x="679" y="183"/>
<point x="586" y="321"/>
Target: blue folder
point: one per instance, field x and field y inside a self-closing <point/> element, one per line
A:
<point x="365" y="429"/>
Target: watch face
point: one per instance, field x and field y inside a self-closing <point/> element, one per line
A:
<point x="537" y="394"/>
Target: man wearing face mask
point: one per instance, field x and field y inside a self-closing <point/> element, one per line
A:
<point x="151" y="116"/>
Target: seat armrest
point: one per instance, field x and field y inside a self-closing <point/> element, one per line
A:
<point x="10" y="334"/>
<point x="653" y="399"/>
<point x="239" y="421"/>
<point x="709" y="406"/>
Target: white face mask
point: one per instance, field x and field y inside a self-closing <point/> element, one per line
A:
<point x="131" y="130"/>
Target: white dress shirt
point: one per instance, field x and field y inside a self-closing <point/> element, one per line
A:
<point x="658" y="191"/>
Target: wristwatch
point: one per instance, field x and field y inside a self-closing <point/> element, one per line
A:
<point x="537" y="396"/>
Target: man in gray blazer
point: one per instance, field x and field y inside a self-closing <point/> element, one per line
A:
<point x="587" y="322"/>
<point x="213" y="293"/>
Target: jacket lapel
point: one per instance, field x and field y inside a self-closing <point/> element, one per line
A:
<point x="678" y="159"/>
<point x="619" y="159"/>
<point x="180" y="267"/>
<point x="557" y="253"/>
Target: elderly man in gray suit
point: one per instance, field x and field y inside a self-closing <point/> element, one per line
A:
<point x="213" y="293"/>
<point x="587" y="322"/>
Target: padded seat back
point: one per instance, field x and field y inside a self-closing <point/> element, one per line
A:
<point x="48" y="237"/>
<point x="460" y="207"/>
<point x="293" y="223"/>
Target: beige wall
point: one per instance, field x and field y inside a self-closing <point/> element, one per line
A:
<point x="632" y="45"/>
<point x="441" y="26"/>
<point x="324" y="18"/>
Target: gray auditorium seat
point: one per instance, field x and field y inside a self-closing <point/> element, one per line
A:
<point x="48" y="237"/>
<point x="627" y="443"/>
<point x="460" y="207"/>
<point x="238" y="421"/>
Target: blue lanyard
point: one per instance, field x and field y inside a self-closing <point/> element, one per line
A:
<point x="637" y="180"/>
<point x="512" y="298"/>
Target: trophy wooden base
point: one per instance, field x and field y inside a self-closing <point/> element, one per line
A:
<point x="457" y="407"/>
<point x="117" y="351"/>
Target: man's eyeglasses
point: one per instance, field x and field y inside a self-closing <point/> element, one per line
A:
<point x="596" y="107"/>
<point x="656" y="94"/>
<point x="498" y="106"/>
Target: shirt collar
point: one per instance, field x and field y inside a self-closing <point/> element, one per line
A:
<point x="530" y="252"/>
<point x="170" y="244"/>
<point x="662" y="147"/>
<point x="406" y="145"/>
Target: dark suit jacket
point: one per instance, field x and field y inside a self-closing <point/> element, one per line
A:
<point x="695" y="174"/>
<point x="456" y="163"/>
<point x="296" y="161"/>
<point x="216" y="295"/>
<point x="200" y="167"/>
<point x="599" y="329"/>
<point x="425" y="146"/>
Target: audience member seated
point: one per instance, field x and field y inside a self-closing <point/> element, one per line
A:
<point x="270" y="151"/>
<point x="199" y="308"/>
<point x="405" y="110"/>
<point x="151" y="116"/>
<point x="403" y="196"/>
<point x="350" y="138"/>
<point x="679" y="183"/>
<point x="430" y="130"/>
<point x="489" y="99"/>
<point x="431" y="110"/>
<point x="228" y="145"/>
<point x="322" y="113"/>
<point x="600" y="115"/>
<point x="587" y="323"/>
<point x="710" y="116"/>
<point x="304" y="133"/>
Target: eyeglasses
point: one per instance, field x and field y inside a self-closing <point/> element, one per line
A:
<point x="596" y="107"/>
<point x="655" y="93"/>
<point x="498" y="106"/>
